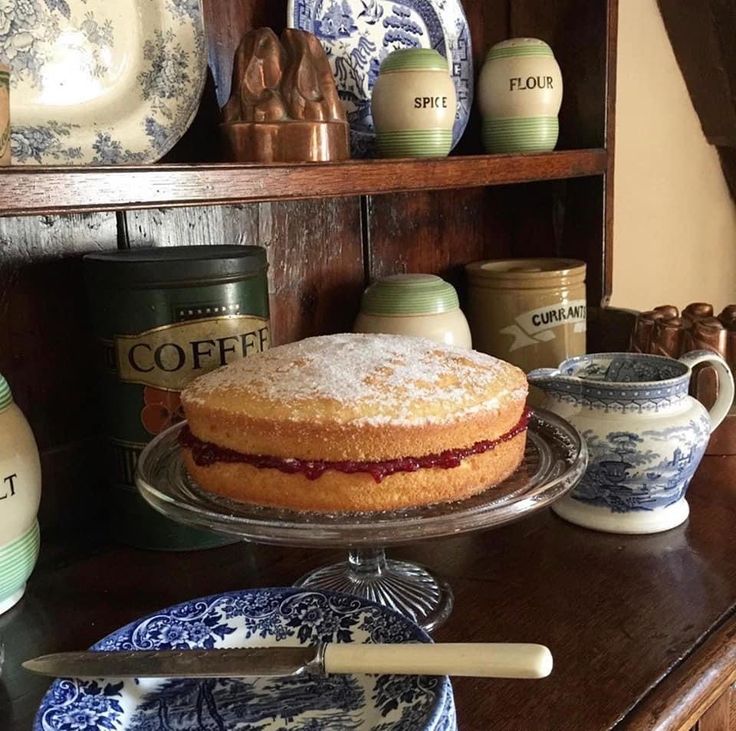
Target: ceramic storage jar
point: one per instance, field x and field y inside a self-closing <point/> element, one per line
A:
<point x="414" y="104"/>
<point x="520" y="93"/>
<point x="20" y="495"/>
<point x="530" y="312"/>
<point x="414" y="304"/>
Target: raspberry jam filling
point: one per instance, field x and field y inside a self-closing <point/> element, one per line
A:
<point x="205" y="454"/>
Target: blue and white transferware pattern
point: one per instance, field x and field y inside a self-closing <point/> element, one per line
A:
<point x="358" y="34"/>
<point x="256" y="617"/>
<point x="645" y="435"/>
<point x="95" y="82"/>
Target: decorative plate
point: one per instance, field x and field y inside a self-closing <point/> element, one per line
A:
<point x="256" y="617"/>
<point x="358" y="34"/>
<point x="95" y="82"/>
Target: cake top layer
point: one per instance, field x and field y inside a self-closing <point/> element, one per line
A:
<point x="361" y="378"/>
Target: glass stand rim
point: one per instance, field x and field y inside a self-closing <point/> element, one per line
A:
<point x="554" y="460"/>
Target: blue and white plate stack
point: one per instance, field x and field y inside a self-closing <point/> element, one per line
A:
<point x="257" y="618"/>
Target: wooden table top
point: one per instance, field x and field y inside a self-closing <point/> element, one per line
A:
<point x="626" y="617"/>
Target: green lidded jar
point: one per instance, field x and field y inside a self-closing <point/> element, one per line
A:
<point x="414" y="304"/>
<point x="414" y="104"/>
<point x="162" y="317"/>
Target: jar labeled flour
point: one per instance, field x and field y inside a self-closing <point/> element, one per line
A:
<point x="162" y="317"/>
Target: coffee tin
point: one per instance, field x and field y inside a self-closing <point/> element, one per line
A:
<point x="530" y="312"/>
<point x="162" y="317"/>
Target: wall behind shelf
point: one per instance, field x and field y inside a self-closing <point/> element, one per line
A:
<point x="675" y="222"/>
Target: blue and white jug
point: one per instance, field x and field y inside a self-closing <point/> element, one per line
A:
<point x="645" y="435"/>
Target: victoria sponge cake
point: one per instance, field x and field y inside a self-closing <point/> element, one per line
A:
<point x="355" y="422"/>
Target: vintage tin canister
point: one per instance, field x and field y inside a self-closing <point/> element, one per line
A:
<point x="530" y="312"/>
<point x="162" y="317"/>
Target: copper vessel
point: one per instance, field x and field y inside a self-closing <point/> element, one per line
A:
<point x="664" y="331"/>
<point x="284" y="105"/>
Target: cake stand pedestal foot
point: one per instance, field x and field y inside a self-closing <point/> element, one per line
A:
<point x="402" y="586"/>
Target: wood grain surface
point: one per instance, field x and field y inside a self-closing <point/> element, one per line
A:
<point x="620" y="613"/>
<point x="26" y="191"/>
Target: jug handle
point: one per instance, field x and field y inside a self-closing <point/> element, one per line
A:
<point x="542" y="377"/>
<point x="725" y="382"/>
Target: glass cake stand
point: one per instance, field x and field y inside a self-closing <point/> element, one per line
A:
<point x="554" y="461"/>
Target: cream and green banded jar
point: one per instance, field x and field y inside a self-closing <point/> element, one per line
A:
<point x="414" y="304"/>
<point x="4" y="114"/>
<point x="414" y="104"/>
<point x="20" y="495"/>
<point x="520" y="94"/>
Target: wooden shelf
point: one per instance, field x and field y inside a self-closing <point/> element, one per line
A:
<point x="43" y="190"/>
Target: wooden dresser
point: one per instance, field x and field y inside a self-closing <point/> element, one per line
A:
<point x="642" y="629"/>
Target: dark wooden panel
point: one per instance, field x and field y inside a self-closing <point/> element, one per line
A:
<point x="43" y="314"/>
<point x="618" y="612"/>
<point x="62" y="190"/>
<point x="46" y="350"/>
<point x="436" y="233"/>
<point x="314" y="251"/>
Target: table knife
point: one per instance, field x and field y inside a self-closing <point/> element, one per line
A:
<point x="487" y="660"/>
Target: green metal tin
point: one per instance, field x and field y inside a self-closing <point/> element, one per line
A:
<point x="162" y="317"/>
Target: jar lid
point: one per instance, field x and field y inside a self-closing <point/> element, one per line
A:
<point x="526" y="273"/>
<point x="166" y="265"/>
<point x="514" y="47"/>
<point x="414" y="59"/>
<point x="409" y="294"/>
<point x="6" y="398"/>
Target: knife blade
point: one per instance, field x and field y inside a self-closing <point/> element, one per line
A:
<point x="477" y="659"/>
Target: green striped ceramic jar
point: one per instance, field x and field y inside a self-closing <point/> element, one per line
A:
<point x="20" y="495"/>
<point x="414" y="105"/>
<point x="414" y="304"/>
<point x="520" y="93"/>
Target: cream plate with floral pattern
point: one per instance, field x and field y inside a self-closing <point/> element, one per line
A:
<point x="96" y="82"/>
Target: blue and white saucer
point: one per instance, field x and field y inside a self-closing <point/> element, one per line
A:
<point x="358" y="34"/>
<point x="257" y="617"/>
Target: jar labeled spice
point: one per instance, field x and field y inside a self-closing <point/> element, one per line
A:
<point x="530" y="312"/>
<point x="163" y="317"/>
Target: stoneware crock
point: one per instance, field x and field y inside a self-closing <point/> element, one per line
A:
<point x="645" y="435"/>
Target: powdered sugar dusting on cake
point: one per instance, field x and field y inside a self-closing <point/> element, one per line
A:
<point x="390" y="374"/>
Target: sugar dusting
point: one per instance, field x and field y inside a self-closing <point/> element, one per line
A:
<point x="391" y="374"/>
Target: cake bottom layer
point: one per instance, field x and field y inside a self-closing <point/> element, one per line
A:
<point x="337" y="491"/>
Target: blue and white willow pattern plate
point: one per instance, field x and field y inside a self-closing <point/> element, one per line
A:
<point x="256" y="617"/>
<point x="100" y="82"/>
<point x="358" y="34"/>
